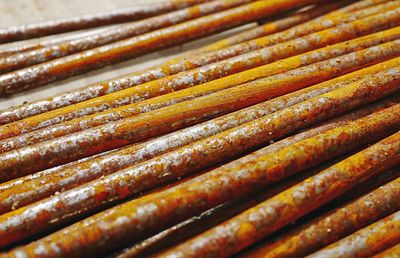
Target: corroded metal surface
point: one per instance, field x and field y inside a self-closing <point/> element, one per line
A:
<point x="214" y="216"/>
<point x="195" y="225"/>
<point x="79" y="124"/>
<point x="132" y="47"/>
<point x="43" y="43"/>
<point x="116" y="33"/>
<point x="34" y="30"/>
<point x="271" y="215"/>
<point x="271" y="27"/>
<point x="203" y="74"/>
<point x="198" y="224"/>
<point x="33" y="158"/>
<point x="164" y="70"/>
<point x="358" y="6"/>
<point x="393" y="252"/>
<point x="28" y="189"/>
<point x="335" y="225"/>
<point x="292" y="138"/>
<point x="367" y="241"/>
<point x="212" y="188"/>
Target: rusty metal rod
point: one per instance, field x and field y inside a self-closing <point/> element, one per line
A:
<point x="290" y="21"/>
<point x="195" y="225"/>
<point x="367" y="241"/>
<point x="28" y="220"/>
<point x="123" y="31"/>
<point x="271" y="215"/>
<point x="132" y="47"/>
<point x="166" y="69"/>
<point x="191" y="227"/>
<point x="198" y="224"/>
<point x="152" y="212"/>
<point x="334" y="225"/>
<point x="33" y="30"/>
<point x="29" y="58"/>
<point x="50" y="132"/>
<point x="27" y="46"/>
<point x="271" y="27"/>
<point x="187" y="79"/>
<point x="392" y="252"/>
<point x="22" y="191"/>
<point x="42" y="52"/>
<point x="358" y="6"/>
<point x="371" y="184"/>
<point x="116" y="134"/>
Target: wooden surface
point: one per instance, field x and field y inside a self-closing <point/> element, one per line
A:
<point x="14" y="12"/>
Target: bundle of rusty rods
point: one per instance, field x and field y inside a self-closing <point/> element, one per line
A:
<point x="281" y="140"/>
<point x="28" y="31"/>
<point x="188" y="79"/>
<point x="114" y="34"/>
<point x="174" y="66"/>
<point x="100" y="56"/>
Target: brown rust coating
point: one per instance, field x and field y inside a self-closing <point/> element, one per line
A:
<point x="28" y="46"/>
<point x="358" y="6"/>
<point x="178" y="233"/>
<point x="198" y="224"/>
<point x="367" y="241"/>
<point x="38" y="216"/>
<point x="128" y="221"/>
<point x="79" y="124"/>
<point x="393" y="252"/>
<point x="130" y="80"/>
<point x="116" y="33"/>
<point x="23" y="191"/>
<point x="334" y="225"/>
<point x="271" y="27"/>
<point x="214" y="216"/>
<point x="41" y="52"/>
<point x="368" y="186"/>
<point x="271" y="215"/>
<point x="132" y="47"/>
<point x="33" y="158"/>
<point x="193" y="77"/>
<point x="21" y="32"/>
<point x="195" y="225"/>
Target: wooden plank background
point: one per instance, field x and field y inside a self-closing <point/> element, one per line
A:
<point x="13" y="12"/>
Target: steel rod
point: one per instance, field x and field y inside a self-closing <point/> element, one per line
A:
<point x="169" y="68"/>
<point x="271" y="215"/>
<point x="334" y="225"/>
<point x="367" y="241"/>
<point x="116" y="33"/>
<point x="79" y="124"/>
<point x="22" y="191"/>
<point x="132" y="47"/>
<point x="27" y="31"/>
<point x="25" y="221"/>
<point x="116" y="134"/>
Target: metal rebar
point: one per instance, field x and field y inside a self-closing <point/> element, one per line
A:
<point x="27" y="31"/>
<point x="79" y="124"/>
<point x="335" y="225"/>
<point x="271" y="215"/>
<point x="28" y="220"/>
<point x="367" y="241"/>
<point x="22" y="191"/>
<point x="169" y="68"/>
